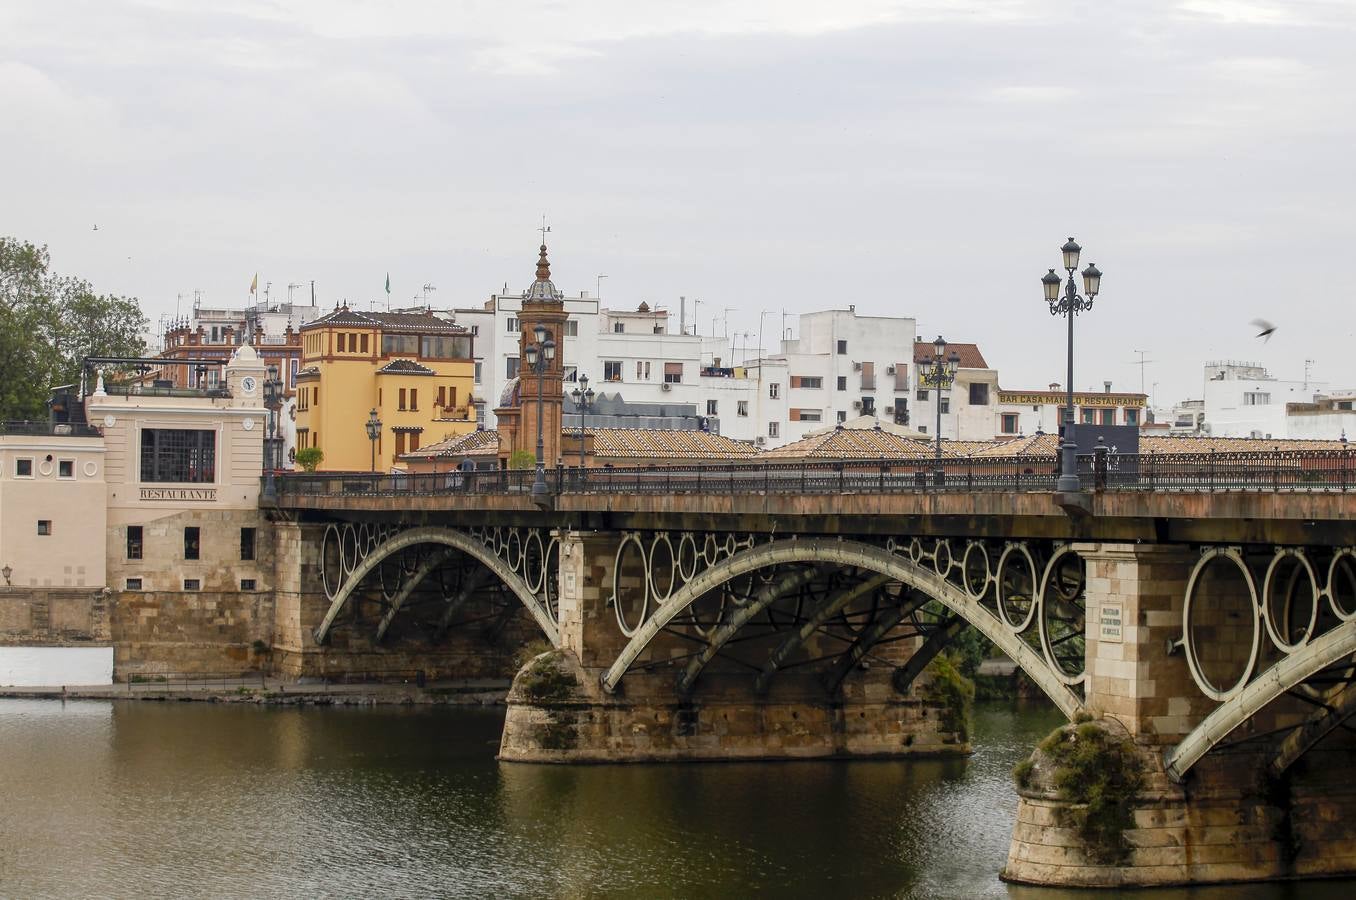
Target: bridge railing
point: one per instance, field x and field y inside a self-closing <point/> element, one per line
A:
<point x="1292" y="471"/>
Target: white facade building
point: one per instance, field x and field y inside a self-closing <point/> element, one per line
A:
<point x="1244" y="400"/>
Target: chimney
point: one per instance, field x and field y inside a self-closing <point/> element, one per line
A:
<point x="1054" y="385"/>
<point x="1106" y="385"/>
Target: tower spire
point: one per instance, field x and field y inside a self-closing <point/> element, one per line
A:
<point x="543" y="265"/>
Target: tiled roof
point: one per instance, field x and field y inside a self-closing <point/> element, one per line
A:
<point x="405" y="367"/>
<point x="1035" y="445"/>
<point x="970" y="357"/>
<point x="667" y="443"/>
<point x="387" y="321"/>
<point x="1191" y="444"/>
<point x="475" y="443"/>
<point x="854" y="443"/>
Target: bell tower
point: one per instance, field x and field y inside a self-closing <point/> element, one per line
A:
<point x="542" y="319"/>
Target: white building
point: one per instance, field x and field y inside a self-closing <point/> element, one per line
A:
<point x="1244" y="400"/>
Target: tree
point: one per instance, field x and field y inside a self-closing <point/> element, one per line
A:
<point x="310" y="457"/>
<point x="522" y="459"/>
<point x="49" y="323"/>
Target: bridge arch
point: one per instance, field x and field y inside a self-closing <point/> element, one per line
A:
<point x="1328" y="649"/>
<point x="923" y="578"/>
<point x="444" y="537"/>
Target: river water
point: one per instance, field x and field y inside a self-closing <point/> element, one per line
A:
<point x="144" y="799"/>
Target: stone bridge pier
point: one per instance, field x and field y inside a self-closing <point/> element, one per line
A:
<point x="1224" y="669"/>
<point x="670" y="651"/>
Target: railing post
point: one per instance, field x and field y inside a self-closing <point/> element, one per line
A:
<point x="881" y="486"/>
<point x="1342" y="467"/>
<point x="767" y="477"/>
<point x="970" y="475"/>
<point x="1275" y="472"/>
<point x="841" y="478"/>
<point x="803" y="464"/>
<point x="1211" y="481"/>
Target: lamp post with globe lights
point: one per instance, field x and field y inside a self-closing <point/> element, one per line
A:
<point x="583" y="399"/>
<point x="1070" y="303"/>
<point x="940" y="373"/>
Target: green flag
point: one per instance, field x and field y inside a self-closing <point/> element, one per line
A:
<point x="388" y="284"/>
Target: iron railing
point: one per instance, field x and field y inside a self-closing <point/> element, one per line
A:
<point x="1307" y="471"/>
<point x="46" y="429"/>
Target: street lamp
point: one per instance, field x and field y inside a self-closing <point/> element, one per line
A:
<point x="539" y="355"/>
<point x="373" y="432"/>
<point x="940" y="373"/>
<point x="1070" y="304"/>
<point x="583" y="398"/>
<point x="272" y="403"/>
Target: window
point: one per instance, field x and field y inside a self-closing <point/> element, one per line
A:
<point x="400" y="444"/>
<point x="511" y="367"/>
<point x="618" y="328"/>
<point x="711" y="406"/>
<point x="946" y="405"/>
<point x="341" y="342"/>
<point x="1089" y="416"/>
<point x="842" y="382"/>
<point x="774" y="390"/>
<point x="807" y="415"/>
<point x="901" y="377"/>
<point x="869" y="406"/>
<point x="414" y="399"/>
<point x="192" y="542"/>
<point x="923" y="429"/>
<point x="901" y="412"/>
<point x="511" y="325"/>
<point x="192" y="584"/>
<point x="842" y="348"/>
<point x="612" y="370"/>
<point x="402" y="399"/>
<point x="640" y="369"/>
<point x="673" y="373"/>
<point x="572" y="328"/>
<point x="65" y="468"/>
<point x="1009" y="425"/>
<point x="315" y="395"/>
<point x="647" y="370"/>
<point x="134" y="542"/>
<point x="842" y="416"/>
<point x="44" y="526"/>
<point x="1132" y="417"/>
<point x="247" y="543"/>
<point x="478" y="372"/>
<point x="400" y="344"/>
<point x="363" y="348"/>
<point x="134" y="584"/>
<point x="454" y="346"/>
<point x="742" y="408"/>
<point x="248" y="584"/>
<point x="187" y="456"/>
<point x="1257" y="399"/>
<point x="979" y="395"/>
<point x="808" y="382"/>
<point x="1108" y="417"/>
<point x="294" y="368"/>
<point x="23" y="468"/>
<point x="868" y="376"/>
<point x="922" y="395"/>
<point x="773" y="429"/>
<point x="475" y="331"/>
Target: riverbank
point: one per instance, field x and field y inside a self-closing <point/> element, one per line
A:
<point x="281" y="692"/>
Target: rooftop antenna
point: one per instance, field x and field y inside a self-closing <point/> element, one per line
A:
<point x="1308" y="364"/>
<point x="267" y="285"/>
<point x="1141" y="364"/>
<point x="696" y="320"/>
<point x="728" y="310"/>
<point x="291" y="286"/>
<point x="313" y="292"/>
<point x="428" y="287"/>
<point x="544" y="229"/>
<point x="598" y="286"/>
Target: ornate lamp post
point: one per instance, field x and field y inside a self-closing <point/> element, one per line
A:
<point x="583" y="398"/>
<point x="373" y="432"/>
<point x="940" y="373"/>
<point x="539" y="356"/>
<point x="272" y="444"/>
<point x="1070" y="304"/>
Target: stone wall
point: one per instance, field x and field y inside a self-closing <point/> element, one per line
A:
<point x="34" y="617"/>
<point x="191" y="632"/>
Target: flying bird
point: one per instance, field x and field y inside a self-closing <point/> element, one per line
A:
<point x="96" y="227"/>
<point x="1267" y="329"/>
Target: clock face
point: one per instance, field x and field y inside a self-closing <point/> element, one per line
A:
<point x="248" y="384"/>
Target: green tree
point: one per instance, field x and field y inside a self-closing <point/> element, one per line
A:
<point x="49" y="323"/>
<point x="310" y="457"/>
<point x="522" y="459"/>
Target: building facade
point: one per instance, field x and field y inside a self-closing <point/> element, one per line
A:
<point x="414" y="369"/>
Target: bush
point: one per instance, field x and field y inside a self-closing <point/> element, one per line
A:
<point x="522" y="459"/>
<point x="310" y="457"/>
<point x="955" y="691"/>
<point x="1099" y="775"/>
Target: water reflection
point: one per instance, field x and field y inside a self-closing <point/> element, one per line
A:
<point x="152" y="799"/>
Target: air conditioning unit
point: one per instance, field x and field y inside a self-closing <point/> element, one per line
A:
<point x="856" y="367"/>
<point x="889" y="410"/>
<point x="856" y="404"/>
<point x="666" y="386"/>
<point x="889" y="370"/>
<point x="759" y="441"/>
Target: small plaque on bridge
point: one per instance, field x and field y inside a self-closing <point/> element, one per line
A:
<point x="1110" y="623"/>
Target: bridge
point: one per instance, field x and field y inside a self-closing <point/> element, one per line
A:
<point x="1202" y="609"/>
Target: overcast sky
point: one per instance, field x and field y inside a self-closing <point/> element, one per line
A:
<point x="914" y="158"/>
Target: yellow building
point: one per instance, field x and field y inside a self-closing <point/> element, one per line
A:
<point x="414" y="368"/>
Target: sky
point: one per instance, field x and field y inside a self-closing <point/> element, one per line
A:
<point x="917" y="158"/>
